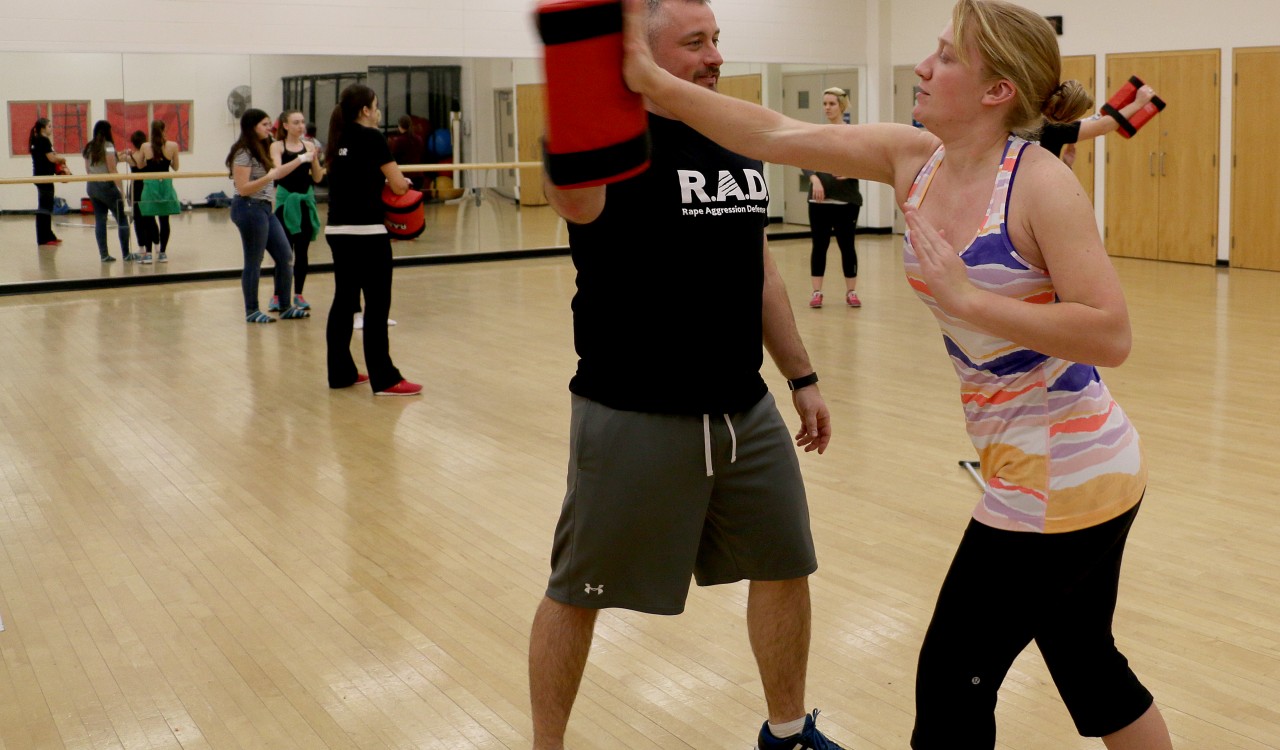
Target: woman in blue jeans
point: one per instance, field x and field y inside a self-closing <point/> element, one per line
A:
<point x="100" y="158"/>
<point x="254" y="175"/>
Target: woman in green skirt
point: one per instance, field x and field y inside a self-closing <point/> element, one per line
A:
<point x="159" y="199"/>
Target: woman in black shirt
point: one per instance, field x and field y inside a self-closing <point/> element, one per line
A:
<point x="360" y="166"/>
<point x="44" y="162"/>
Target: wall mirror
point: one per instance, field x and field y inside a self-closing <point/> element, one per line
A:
<point x="471" y="110"/>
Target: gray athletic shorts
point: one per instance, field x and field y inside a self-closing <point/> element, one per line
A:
<point x="641" y="515"/>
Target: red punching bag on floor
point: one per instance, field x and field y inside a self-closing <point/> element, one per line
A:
<point x="597" y="129"/>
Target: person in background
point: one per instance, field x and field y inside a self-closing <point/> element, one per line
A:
<point x="408" y="148"/>
<point x="106" y="196"/>
<point x="158" y="197"/>
<point x="311" y="138"/>
<point x="145" y="230"/>
<point x="360" y="168"/>
<point x="253" y="172"/>
<point x="1061" y="138"/>
<point x="833" y="210"/>
<point x="296" y="198"/>
<point x="1029" y="306"/>
<point x="44" y="163"/>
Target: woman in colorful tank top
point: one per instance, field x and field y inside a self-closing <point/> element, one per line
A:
<point x="1003" y="248"/>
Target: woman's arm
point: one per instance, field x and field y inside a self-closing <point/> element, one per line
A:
<point x="113" y="167"/>
<point x="883" y="152"/>
<point x="246" y="186"/>
<point x="1053" y="227"/>
<point x="172" y="153"/>
<point x="395" y="178"/>
<point x="276" y="150"/>
<point x="1099" y="125"/>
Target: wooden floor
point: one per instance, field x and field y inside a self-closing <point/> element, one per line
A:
<point x="204" y="547"/>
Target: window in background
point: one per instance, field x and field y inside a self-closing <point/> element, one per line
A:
<point x="70" y="121"/>
<point x="126" y="117"/>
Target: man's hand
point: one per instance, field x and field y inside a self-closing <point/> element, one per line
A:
<point x="815" y="419"/>
<point x="638" y="68"/>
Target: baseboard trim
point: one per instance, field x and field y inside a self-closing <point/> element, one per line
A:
<point x="181" y="277"/>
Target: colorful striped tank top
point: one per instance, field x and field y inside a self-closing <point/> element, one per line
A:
<point x="1058" y="454"/>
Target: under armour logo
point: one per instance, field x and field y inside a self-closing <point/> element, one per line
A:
<point x="594" y="589"/>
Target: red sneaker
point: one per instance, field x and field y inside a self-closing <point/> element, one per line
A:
<point x="852" y="299"/>
<point x="816" y="300"/>
<point x="403" y="388"/>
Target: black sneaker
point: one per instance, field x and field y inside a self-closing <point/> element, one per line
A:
<point x="808" y="739"/>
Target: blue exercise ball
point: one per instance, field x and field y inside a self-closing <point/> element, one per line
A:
<point x="440" y="143"/>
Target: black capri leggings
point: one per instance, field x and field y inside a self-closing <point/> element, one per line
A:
<point x="841" y="220"/>
<point x="301" y="244"/>
<point x="1005" y="589"/>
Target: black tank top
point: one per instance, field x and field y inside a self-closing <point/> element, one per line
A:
<point x="299" y="180"/>
<point x="159" y="163"/>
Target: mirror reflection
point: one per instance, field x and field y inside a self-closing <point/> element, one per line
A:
<point x="463" y="111"/>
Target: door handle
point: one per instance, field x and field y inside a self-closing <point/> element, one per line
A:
<point x="1162" y="163"/>
<point x="1151" y="163"/>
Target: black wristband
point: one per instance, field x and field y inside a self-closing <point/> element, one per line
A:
<point x="803" y="381"/>
<point x="1115" y="114"/>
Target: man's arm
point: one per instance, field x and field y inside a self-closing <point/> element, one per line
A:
<point x="580" y="206"/>
<point x="782" y="341"/>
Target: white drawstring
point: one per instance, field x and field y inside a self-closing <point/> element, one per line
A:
<point x="733" y="454"/>
<point x="706" y="441"/>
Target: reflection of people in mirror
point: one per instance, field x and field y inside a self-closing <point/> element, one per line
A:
<point x="145" y="230"/>
<point x="407" y="148"/>
<point x="106" y="196"/>
<point x="44" y="163"/>
<point x="158" y="198"/>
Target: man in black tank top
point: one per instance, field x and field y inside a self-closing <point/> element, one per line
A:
<point x="680" y="463"/>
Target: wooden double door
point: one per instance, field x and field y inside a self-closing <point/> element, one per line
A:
<point x="1255" y="221"/>
<point x="1162" y="184"/>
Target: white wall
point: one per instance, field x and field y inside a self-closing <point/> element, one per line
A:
<point x="755" y="30"/>
<point x="871" y="34"/>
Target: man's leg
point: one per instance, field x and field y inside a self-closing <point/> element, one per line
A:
<point x="558" y="648"/>
<point x="778" y="620"/>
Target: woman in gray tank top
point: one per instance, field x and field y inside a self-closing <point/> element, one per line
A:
<point x="106" y="196"/>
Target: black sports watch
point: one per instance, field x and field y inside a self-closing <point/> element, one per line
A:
<point x="802" y="381"/>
